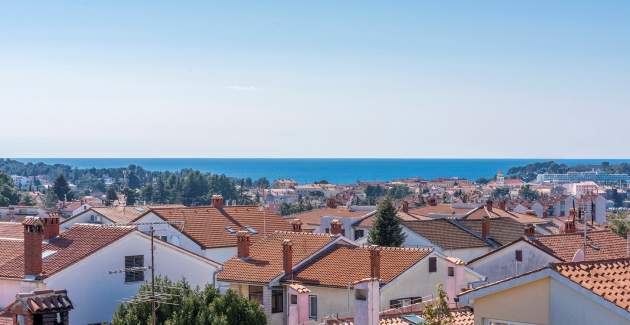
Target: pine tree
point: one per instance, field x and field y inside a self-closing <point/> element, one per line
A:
<point x="111" y="195"/>
<point x="386" y="230"/>
<point x="438" y="313"/>
<point x="62" y="188"/>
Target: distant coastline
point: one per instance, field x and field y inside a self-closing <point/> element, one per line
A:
<point x="334" y="170"/>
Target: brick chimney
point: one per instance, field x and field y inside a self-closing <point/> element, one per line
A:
<point x="287" y="258"/>
<point x="335" y="226"/>
<point x="569" y="226"/>
<point x="405" y="207"/>
<point x="217" y="201"/>
<point x="51" y="226"/>
<point x="530" y="231"/>
<point x="485" y="227"/>
<point x="502" y="204"/>
<point x="375" y="261"/>
<point x="297" y="225"/>
<point x="489" y="205"/>
<point x="331" y="203"/>
<point x="243" y="242"/>
<point x="33" y="236"/>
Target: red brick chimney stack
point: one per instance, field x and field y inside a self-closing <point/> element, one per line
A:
<point x="51" y="226"/>
<point x="489" y="205"/>
<point x="335" y="227"/>
<point x="530" y="231"/>
<point x="243" y="242"/>
<point x="331" y="203"/>
<point x="287" y="258"/>
<point x="405" y="207"/>
<point x="33" y="236"/>
<point x="217" y="201"/>
<point x="485" y="227"/>
<point x="375" y="261"/>
<point x="297" y="225"/>
<point x="502" y="204"/>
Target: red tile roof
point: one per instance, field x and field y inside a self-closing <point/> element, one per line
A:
<point x="609" y="279"/>
<point x="313" y="217"/>
<point x="11" y="230"/>
<point x="207" y="225"/>
<point x="502" y="230"/>
<point x="70" y="247"/>
<point x="333" y="270"/>
<point x="265" y="261"/>
<point x="440" y="209"/>
<point x="444" y="234"/>
<point x="602" y="244"/>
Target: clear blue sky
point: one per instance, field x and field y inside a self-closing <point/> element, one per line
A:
<point x="315" y="79"/>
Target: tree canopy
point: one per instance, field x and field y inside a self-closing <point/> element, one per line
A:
<point x="189" y="305"/>
<point x="62" y="188"/>
<point x="438" y="313"/>
<point x="386" y="230"/>
<point x="8" y="193"/>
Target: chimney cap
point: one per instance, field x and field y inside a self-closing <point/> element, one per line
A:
<point x="32" y="221"/>
<point x="296" y="221"/>
<point x="287" y="242"/>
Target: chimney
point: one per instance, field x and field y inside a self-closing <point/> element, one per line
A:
<point x="244" y="241"/>
<point x="33" y="236"/>
<point x="569" y="226"/>
<point x="489" y="205"/>
<point x="331" y="203"/>
<point x="335" y="227"/>
<point x="51" y="226"/>
<point x="375" y="261"/>
<point x="287" y="257"/>
<point x="217" y="201"/>
<point x="297" y="225"/>
<point x="405" y="207"/>
<point x="485" y="228"/>
<point x="530" y="231"/>
<point x="502" y="205"/>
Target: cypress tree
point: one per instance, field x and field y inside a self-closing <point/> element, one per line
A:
<point x="386" y="230"/>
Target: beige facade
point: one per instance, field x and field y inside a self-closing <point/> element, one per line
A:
<point x="528" y="303"/>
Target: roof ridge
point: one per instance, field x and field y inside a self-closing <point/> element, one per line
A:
<point x="603" y="261"/>
<point x="304" y="233"/>
<point x="578" y="233"/>
<point x="387" y="248"/>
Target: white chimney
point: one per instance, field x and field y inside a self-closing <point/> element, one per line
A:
<point x="367" y="302"/>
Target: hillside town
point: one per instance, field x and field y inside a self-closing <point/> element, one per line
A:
<point x="407" y="251"/>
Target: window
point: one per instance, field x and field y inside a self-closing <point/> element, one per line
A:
<point x="293" y="299"/>
<point x="519" y="255"/>
<point x="451" y="271"/>
<point x="136" y="261"/>
<point x="502" y="322"/>
<point x="360" y="294"/>
<point x="327" y="230"/>
<point x="164" y="238"/>
<point x="256" y="294"/>
<point x="276" y="301"/>
<point x="432" y="264"/>
<point x="359" y="233"/>
<point x="403" y="302"/>
<point x="312" y="307"/>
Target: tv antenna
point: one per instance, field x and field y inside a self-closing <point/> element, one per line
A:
<point x="156" y="298"/>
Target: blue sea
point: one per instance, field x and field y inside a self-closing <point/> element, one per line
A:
<point x="335" y="170"/>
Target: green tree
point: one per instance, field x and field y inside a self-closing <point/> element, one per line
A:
<point x="62" y="188"/>
<point x="8" y="193"/>
<point x="528" y="194"/>
<point x="386" y="230"/>
<point x="191" y="306"/>
<point x="26" y="199"/>
<point x="50" y="200"/>
<point x="111" y="195"/>
<point x="131" y="196"/>
<point x="438" y="313"/>
<point x="500" y="193"/>
<point x="619" y="224"/>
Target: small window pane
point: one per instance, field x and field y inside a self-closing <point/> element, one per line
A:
<point x="132" y="262"/>
<point x="312" y="307"/>
<point x="432" y="264"/>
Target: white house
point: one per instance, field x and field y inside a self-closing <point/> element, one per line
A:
<point x="81" y="260"/>
<point x="105" y="216"/>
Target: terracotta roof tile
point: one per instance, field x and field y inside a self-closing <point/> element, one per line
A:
<point x="502" y="230"/>
<point x="11" y="230"/>
<point x="313" y="217"/>
<point x="206" y="225"/>
<point x="444" y="234"/>
<point x="333" y="270"/>
<point x="603" y="244"/>
<point x="71" y="246"/>
<point x="265" y="261"/>
<point x="609" y="279"/>
<point x="438" y="210"/>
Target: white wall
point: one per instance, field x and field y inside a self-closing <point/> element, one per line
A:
<point x="567" y="306"/>
<point x="95" y="293"/>
<point x="11" y="287"/>
<point x="413" y="239"/>
<point x="220" y="254"/>
<point x="502" y="263"/>
<point x="83" y="218"/>
<point x="174" y="236"/>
